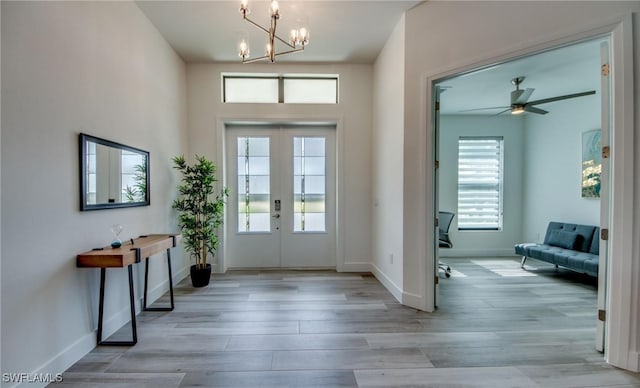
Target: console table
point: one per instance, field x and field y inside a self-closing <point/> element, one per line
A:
<point x="131" y="252"/>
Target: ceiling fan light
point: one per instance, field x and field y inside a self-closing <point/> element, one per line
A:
<point x="516" y="110"/>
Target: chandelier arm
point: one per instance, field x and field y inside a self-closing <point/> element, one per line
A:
<point x="285" y="42"/>
<point x="255" y="59"/>
<point x="256" y="24"/>
<point x="290" y="51"/>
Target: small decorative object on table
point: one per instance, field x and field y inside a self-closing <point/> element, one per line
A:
<point x="116" y="229"/>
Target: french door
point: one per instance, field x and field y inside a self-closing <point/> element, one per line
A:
<point x="281" y="209"/>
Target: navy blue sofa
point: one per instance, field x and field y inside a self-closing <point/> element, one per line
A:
<point x="572" y="246"/>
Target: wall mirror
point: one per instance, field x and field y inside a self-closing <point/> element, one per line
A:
<point x="112" y="175"/>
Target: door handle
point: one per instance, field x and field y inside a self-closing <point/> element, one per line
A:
<point x="276" y="215"/>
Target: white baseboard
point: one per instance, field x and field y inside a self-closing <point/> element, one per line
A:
<point x="413" y="300"/>
<point x="356" y="267"/>
<point x="453" y="252"/>
<point x="63" y="360"/>
<point x="386" y="281"/>
<point x="74" y="352"/>
<point x="71" y="354"/>
<point x="634" y="361"/>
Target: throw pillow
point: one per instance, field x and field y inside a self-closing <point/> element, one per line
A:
<point x="563" y="239"/>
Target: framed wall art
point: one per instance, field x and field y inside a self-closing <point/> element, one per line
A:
<point x="591" y="163"/>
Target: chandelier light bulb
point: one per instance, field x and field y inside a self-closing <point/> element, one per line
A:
<point x="244" y="7"/>
<point x="294" y="37"/>
<point x="303" y="36"/>
<point x="243" y="50"/>
<point x="275" y="8"/>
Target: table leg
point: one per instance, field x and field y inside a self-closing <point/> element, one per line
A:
<point x="146" y="277"/>
<point x="134" y="333"/>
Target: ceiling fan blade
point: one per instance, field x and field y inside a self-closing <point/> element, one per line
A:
<point x="493" y="107"/>
<point x="533" y="109"/>
<point x="506" y="110"/>
<point x="558" y="98"/>
<point x="522" y="97"/>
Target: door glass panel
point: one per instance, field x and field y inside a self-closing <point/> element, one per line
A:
<point x="309" y="192"/>
<point x="253" y="185"/>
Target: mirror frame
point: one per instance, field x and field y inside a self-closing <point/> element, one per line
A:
<point x="83" y="139"/>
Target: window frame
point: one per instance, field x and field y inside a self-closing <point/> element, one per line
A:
<point x="500" y="190"/>
<point x="281" y="79"/>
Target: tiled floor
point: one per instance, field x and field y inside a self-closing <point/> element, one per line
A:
<point x="496" y="326"/>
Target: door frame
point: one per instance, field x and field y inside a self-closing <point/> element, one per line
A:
<point x="622" y="295"/>
<point x="281" y="246"/>
<point x="221" y="265"/>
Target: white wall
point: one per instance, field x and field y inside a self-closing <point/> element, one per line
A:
<point x="70" y="67"/>
<point x="207" y="114"/>
<point x="553" y="155"/>
<point x="475" y="242"/>
<point x="387" y="142"/>
<point x="444" y="37"/>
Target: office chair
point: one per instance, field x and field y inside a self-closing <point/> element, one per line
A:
<point x="444" y="222"/>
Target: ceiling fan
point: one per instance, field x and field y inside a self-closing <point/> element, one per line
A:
<point x="520" y="100"/>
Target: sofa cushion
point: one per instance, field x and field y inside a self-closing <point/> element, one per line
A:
<point x="563" y="239"/>
<point x="591" y="266"/>
<point x="521" y="249"/>
<point x="586" y="231"/>
<point x="543" y="252"/>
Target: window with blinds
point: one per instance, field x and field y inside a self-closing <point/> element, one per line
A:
<point x="480" y="172"/>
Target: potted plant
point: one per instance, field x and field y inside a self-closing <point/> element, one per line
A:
<point x="201" y="212"/>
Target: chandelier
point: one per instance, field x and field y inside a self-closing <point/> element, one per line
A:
<point x="298" y="39"/>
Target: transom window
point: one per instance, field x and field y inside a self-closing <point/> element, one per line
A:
<point x="480" y="181"/>
<point x="273" y="89"/>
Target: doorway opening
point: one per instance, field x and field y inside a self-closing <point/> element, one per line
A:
<point x="535" y="180"/>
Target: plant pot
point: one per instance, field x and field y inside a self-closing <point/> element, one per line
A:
<point x="200" y="276"/>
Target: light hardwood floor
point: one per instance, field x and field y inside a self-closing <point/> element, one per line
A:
<point x="496" y="326"/>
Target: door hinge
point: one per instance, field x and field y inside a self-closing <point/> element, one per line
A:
<point x="436" y="222"/>
<point x="605" y="69"/>
<point x="604" y="234"/>
<point x="437" y="280"/>
<point x="437" y="164"/>
<point x="437" y="105"/>
<point x="602" y="315"/>
<point x="606" y="152"/>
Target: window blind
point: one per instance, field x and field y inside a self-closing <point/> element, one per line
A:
<point x="480" y="165"/>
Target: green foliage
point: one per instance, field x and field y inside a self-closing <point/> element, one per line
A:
<point x="138" y="193"/>
<point x="201" y="211"/>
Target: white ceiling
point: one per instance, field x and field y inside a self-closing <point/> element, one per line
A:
<point x="354" y="31"/>
<point x="340" y="31"/>
<point x="561" y="71"/>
